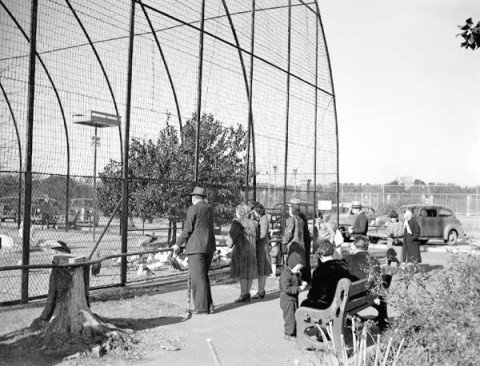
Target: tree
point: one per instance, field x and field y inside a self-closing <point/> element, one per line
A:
<point x="161" y="171"/>
<point x="470" y="34"/>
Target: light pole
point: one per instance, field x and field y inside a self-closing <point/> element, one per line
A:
<point x="97" y="120"/>
<point x="95" y="143"/>
<point x="295" y="171"/>
<point x="268" y="189"/>
<point x="275" y="183"/>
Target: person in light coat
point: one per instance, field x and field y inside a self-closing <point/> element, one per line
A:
<point x="394" y="230"/>
<point x="411" y="245"/>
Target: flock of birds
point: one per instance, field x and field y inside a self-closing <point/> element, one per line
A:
<point x="146" y="264"/>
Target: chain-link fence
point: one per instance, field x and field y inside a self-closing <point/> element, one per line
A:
<point x="89" y="88"/>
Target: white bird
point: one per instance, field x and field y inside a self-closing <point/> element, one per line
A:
<point x="49" y="245"/>
<point x="33" y="234"/>
<point x="6" y="242"/>
<point x="156" y="266"/>
<point x="162" y="257"/>
<point x="150" y="258"/>
<point x="144" y="271"/>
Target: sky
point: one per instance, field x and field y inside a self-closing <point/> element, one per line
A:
<point x="407" y="94"/>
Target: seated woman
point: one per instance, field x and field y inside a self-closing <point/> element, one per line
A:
<point x="326" y="276"/>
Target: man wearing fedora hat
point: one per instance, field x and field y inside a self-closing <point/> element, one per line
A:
<point x="360" y="226"/>
<point x="198" y="238"/>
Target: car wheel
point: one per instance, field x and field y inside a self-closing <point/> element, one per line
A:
<point x="452" y="237"/>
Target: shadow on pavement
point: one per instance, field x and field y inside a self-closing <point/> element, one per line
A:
<point x="145" y="323"/>
<point x="233" y="305"/>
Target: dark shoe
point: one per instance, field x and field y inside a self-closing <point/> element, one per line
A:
<point x="290" y="337"/>
<point x="259" y="295"/>
<point x="243" y="298"/>
<point x="200" y="312"/>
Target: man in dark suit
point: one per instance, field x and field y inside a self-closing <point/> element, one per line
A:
<point x="199" y="241"/>
<point x="361" y="265"/>
<point x="357" y="260"/>
<point x="360" y="226"/>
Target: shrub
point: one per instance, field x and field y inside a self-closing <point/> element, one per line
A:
<point x="439" y="313"/>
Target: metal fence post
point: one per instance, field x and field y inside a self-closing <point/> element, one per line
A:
<point x="199" y="91"/>
<point x="315" y="120"/>
<point x="287" y="110"/>
<point x="28" y="157"/>
<point x="124" y="215"/>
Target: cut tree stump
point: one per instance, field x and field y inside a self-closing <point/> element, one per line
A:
<point x="67" y="323"/>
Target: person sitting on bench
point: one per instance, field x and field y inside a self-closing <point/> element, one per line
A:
<point x="362" y="265"/>
<point x="325" y="277"/>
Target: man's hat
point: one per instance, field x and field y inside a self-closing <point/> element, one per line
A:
<point x="295" y="201"/>
<point x="356" y="204"/>
<point x="295" y="208"/>
<point x="198" y="191"/>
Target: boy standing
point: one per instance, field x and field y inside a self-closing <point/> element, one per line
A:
<point x="290" y="287"/>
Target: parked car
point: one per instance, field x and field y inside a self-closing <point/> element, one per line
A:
<point x="436" y="222"/>
<point x="45" y="211"/>
<point x="347" y="217"/>
<point x="275" y="216"/>
<point x="82" y="213"/>
<point x="8" y="208"/>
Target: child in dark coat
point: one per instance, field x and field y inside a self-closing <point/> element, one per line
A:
<point x="290" y="287"/>
<point x="391" y="268"/>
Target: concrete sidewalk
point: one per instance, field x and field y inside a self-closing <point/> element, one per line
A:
<point x="247" y="334"/>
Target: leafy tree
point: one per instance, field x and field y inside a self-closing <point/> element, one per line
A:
<point x="470" y="34"/>
<point x="161" y="171"/>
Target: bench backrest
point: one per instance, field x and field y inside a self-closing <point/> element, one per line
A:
<point x="358" y="297"/>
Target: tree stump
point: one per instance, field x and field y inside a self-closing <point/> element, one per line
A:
<point x="68" y="324"/>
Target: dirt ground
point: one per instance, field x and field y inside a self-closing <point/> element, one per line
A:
<point x="149" y="317"/>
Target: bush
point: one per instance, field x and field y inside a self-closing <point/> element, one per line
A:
<point x="439" y="313"/>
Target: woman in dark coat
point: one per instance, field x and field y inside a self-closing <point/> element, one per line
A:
<point x="411" y="245"/>
<point x="263" y="251"/>
<point x="243" y="236"/>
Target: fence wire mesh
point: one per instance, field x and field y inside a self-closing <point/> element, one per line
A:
<point x="266" y="56"/>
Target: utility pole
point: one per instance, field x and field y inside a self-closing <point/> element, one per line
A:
<point x="295" y="171"/>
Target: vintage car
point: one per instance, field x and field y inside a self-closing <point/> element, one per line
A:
<point x="45" y="211"/>
<point x="82" y="213"/>
<point x="275" y="216"/>
<point x="346" y="217"/>
<point x="436" y="222"/>
<point x="8" y="208"/>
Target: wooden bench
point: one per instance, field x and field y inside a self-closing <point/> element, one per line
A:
<point x="349" y="299"/>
